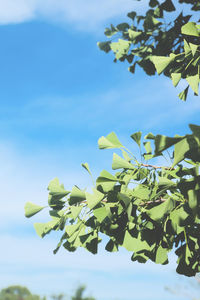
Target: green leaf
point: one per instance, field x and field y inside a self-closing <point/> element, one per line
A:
<point x="122" y="26"/>
<point x="133" y="34"/>
<point x="193" y="200"/>
<point x="134" y="244"/>
<point x="44" y="228"/>
<point x="153" y="3"/>
<point x="132" y="15"/>
<point x="69" y="247"/>
<point x="124" y="199"/>
<point x="163" y="181"/>
<point x="39" y="228"/>
<point x="71" y="229"/>
<point x="104" y="46"/>
<point x="137" y="137"/>
<point x="161" y="255"/>
<point x="176" y="77"/>
<point x="106" y="180"/>
<point x="120" y="163"/>
<point x="109" y="32"/>
<point x="163" y="142"/>
<point x="161" y="62"/>
<point x="94" y="199"/>
<point x="186" y="47"/>
<point x="158" y="212"/>
<point x="86" y="167"/>
<point x="194" y="82"/>
<point x="180" y="149"/>
<point x="149" y="136"/>
<point x="76" y="196"/>
<point x="111" y="246"/>
<point x="194" y="48"/>
<point x="190" y="29"/>
<point x="195" y="129"/>
<point x="183" y="94"/>
<point x="76" y="210"/>
<point x="109" y="142"/>
<point x="150" y="22"/>
<point x="101" y="213"/>
<point x="120" y="48"/>
<point x="178" y="218"/>
<point x="142" y="192"/>
<point x="57" y="190"/>
<point x="126" y="156"/>
<point x="168" y="6"/>
<point x="147" y="146"/>
<point x="31" y="209"/>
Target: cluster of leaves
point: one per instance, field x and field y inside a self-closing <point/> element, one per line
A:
<point x="150" y="42"/>
<point x="17" y="292"/>
<point x="148" y="210"/>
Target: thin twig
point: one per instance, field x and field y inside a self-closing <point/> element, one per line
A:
<point x="156" y="167"/>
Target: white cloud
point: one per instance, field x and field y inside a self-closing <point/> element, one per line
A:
<point x="84" y="14"/>
<point x="16" y="11"/>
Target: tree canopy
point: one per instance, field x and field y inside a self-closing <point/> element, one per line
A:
<point x="146" y="208"/>
<point x="17" y="292"/>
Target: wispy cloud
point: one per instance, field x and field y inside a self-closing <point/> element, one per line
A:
<point x="136" y="110"/>
<point x="16" y="11"/>
<point x="88" y="14"/>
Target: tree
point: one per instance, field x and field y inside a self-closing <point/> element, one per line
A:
<point x="79" y="294"/>
<point x="17" y="292"/>
<point x="148" y="209"/>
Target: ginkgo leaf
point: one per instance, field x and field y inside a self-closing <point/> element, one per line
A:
<point x="134" y="34"/>
<point x="193" y="48"/>
<point x="31" y="209"/>
<point x="190" y="28"/>
<point x="176" y="77"/>
<point x="161" y="62"/>
<point x="109" y="142"/>
<point x="86" y="167"/>
<point x="94" y="199"/>
<point x="194" y="82"/>
<point x="183" y="94"/>
<point x="137" y="137"/>
<point x="120" y="163"/>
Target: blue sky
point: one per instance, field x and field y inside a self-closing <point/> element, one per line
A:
<point x="59" y="93"/>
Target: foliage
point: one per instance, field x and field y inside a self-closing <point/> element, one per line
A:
<point x="146" y="209"/>
<point x="17" y="292"/>
<point x="152" y="43"/>
<point x="149" y="210"/>
<point x="79" y="294"/>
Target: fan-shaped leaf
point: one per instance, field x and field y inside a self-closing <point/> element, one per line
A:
<point x="109" y="142"/>
<point x="31" y="209"/>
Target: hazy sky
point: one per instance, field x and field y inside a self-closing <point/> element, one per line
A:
<point x="59" y="93"/>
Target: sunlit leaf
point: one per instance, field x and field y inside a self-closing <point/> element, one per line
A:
<point x="31" y="209"/>
<point x="109" y="142"/>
